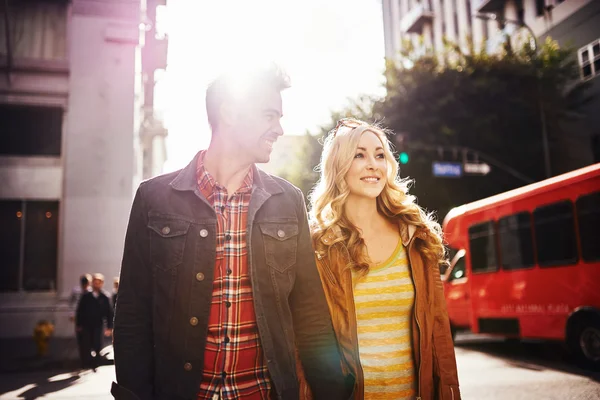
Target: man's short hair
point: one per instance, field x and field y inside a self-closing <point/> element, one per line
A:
<point x="85" y="279"/>
<point x="225" y="87"/>
<point x="99" y="276"/>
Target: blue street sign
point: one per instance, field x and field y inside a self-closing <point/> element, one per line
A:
<point x="447" y="169"/>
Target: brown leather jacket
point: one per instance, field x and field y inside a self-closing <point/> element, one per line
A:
<point x="433" y="348"/>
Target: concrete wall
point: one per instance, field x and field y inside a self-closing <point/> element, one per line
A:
<point x="576" y="31"/>
<point x="100" y="166"/>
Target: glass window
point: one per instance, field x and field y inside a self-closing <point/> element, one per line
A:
<point x="11" y="215"/>
<point x="460" y="269"/>
<point x="31" y="131"/>
<point x="482" y="239"/>
<point x="555" y="234"/>
<point x="516" y="241"/>
<point x="588" y="218"/>
<point x="41" y="242"/>
<point x="589" y="60"/>
<point x="28" y="245"/>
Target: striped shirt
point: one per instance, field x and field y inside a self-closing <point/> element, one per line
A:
<point x="234" y="365"/>
<point x="384" y="301"/>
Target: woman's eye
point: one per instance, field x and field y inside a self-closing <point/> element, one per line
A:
<point x="381" y="155"/>
<point x="359" y="155"/>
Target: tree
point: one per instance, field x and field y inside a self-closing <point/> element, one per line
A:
<point x="489" y="103"/>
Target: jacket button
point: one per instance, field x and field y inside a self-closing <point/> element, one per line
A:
<point x="187" y="366"/>
<point x="280" y="233"/>
<point x="203" y="233"/>
<point x="199" y="276"/>
<point x="193" y="321"/>
<point x="166" y="230"/>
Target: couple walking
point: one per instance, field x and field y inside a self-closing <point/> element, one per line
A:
<point x="229" y="290"/>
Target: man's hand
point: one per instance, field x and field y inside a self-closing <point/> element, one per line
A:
<point x="108" y="332"/>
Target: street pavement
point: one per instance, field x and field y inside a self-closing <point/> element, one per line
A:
<point x="488" y="368"/>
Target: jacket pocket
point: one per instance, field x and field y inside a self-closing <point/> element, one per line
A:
<point x="281" y="244"/>
<point x="167" y="241"/>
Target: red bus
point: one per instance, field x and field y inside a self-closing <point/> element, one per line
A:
<point x="527" y="263"/>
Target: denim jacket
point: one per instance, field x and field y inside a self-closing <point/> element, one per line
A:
<point x="166" y="286"/>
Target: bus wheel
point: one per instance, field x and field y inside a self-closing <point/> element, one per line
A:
<point x="453" y="332"/>
<point x="585" y="342"/>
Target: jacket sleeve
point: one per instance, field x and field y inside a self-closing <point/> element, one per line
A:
<point x="315" y="339"/>
<point x="132" y="336"/>
<point x="109" y="314"/>
<point x="80" y="311"/>
<point x="444" y="359"/>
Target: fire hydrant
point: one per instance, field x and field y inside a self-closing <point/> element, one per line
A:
<point x="41" y="336"/>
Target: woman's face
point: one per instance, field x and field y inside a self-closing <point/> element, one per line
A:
<point x="368" y="173"/>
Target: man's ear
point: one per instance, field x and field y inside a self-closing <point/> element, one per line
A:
<point x="228" y="114"/>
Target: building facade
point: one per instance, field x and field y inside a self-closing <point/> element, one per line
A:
<point x="73" y="128"/>
<point x="427" y="24"/>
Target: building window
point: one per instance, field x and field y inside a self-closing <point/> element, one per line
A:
<point x="588" y="218"/>
<point x="589" y="60"/>
<point x="540" y="7"/>
<point x="37" y="29"/>
<point x="516" y="241"/>
<point x="30" y="131"/>
<point x="469" y="17"/>
<point x="555" y="234"/>
<point x="28" y="245"/>
<point x="482" y="240"/>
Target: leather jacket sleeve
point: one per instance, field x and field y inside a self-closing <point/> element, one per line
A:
<point x="315" y="339"/>
<point x="444" y="362"/>
<point x="133" y="339"/>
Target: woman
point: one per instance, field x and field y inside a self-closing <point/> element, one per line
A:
<point x="379" y="254"/>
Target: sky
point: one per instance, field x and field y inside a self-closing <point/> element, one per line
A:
<point x="332" y="50"/>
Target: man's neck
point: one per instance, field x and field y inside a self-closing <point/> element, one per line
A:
<point x="227" y="165"/>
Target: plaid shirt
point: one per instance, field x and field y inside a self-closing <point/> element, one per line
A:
<point x="234" y="365"/>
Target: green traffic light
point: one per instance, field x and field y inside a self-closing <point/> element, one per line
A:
<point x="403" y="158"/>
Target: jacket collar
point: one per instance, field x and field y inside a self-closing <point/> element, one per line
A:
<point x="186" y="179"/>
<point x="407" y="232"/>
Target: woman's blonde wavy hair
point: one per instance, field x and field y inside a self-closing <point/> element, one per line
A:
<point x="331" y="191"/>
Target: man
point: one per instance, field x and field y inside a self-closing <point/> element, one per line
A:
<point x="218" y="281"/>
<point x="115" y="292"/>
<point x="94" y="310"/>
<point x="76" y="293"/>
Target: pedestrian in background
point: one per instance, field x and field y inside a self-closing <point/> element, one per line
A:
<point x="115" y="292"/>
<point x="94" y="317"/>
<point x="76" y="293"/>
<point x="379" y="254"/>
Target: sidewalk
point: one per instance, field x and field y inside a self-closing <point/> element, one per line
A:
<point x="19" y="355"/>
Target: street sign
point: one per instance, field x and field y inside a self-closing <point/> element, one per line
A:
<point x="477" y="168"/>
<point x="447" y="169"/>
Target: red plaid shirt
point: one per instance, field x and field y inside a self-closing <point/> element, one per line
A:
<point x="234" y="365"/>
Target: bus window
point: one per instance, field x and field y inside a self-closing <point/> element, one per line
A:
<point x="588" y="216"/>
<point x="482" y="240"/>
<point x="459" y="270"/>
<point x="516" y="241"/>
<point x="555" y="234"/>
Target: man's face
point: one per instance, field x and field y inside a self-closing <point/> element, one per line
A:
<point x="258" y="125"/>
<point x="97" y="284"/>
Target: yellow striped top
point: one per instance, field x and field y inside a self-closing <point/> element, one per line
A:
<point x="384" y="301"/>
